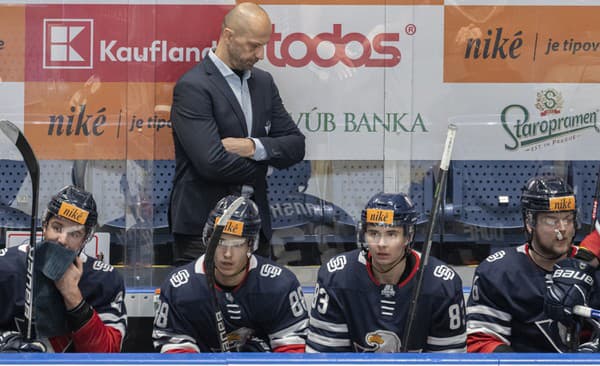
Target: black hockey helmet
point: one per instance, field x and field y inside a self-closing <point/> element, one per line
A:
<point x="546" y="194"/>
<point x="388" y="209"/>
<point x="246" y="215"/>
<point x="74" y="204"/>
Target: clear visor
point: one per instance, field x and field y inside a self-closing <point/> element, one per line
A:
<point x="233" y="242"/>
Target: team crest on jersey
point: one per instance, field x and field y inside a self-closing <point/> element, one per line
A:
<point x="496" y="256"/>
<point x="180" y="278"/>
<point x="101" y="266"/>
<point x="381" y="341"/>
<point x="269" y="270"/>
<point x="3" y="252"/>
<point x="336" y="263"/>
<point x="444" y="272"/>
<point x="388" y="291"/>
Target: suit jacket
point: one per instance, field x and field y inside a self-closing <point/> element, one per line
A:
<point x="204" y="111"/>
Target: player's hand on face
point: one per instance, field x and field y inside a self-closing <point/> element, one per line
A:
<point x="68" y="284"/>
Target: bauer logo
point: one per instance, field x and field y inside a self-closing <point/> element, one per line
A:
<point x="68" y="43"/>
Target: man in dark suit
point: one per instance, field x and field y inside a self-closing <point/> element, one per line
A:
<point x="229" y="126"/>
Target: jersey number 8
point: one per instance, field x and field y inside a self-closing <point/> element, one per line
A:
<point x="297" y="302"/>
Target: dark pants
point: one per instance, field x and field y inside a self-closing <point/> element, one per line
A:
<point x="188" y="248"/>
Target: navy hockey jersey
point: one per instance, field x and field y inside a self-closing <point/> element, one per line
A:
<point x="265" y="312"/>
<point x="506" y="305"/>
<point x="102" y="288"/>
<point x="352" y="312"/>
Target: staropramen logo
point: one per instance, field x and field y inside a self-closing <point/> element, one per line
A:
<point x="549" y="101"/>
<point x="530" y="132"/>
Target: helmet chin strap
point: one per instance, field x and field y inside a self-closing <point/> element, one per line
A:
<point x="398" y="261"/>
<point x="544" y="256"/>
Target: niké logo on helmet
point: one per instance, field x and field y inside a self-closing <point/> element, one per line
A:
<point x="562" y="203"/>
<point x="73" y="213"/>
<point x="232" y="227"/>
<point x="377" y="216"/>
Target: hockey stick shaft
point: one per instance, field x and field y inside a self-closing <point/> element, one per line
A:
<point x="595" y="201"/>
<point x="209" y="262"/>
<point x="17" y="137"/>
<point x="586" y="312"/>
<point x="439" y="189"/>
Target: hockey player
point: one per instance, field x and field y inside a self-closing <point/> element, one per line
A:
<point x="92" y="291"/>
<point x="572" y="283"/>
<point x="505" y="311"/>
<point x="362" y="297"/>
<point x="262" y="303"/>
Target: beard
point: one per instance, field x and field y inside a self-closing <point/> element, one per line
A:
<point x="236" y="60"/>
<point x="552" y="250"/>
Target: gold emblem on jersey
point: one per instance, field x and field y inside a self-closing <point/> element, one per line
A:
<point x="377" y="216"/>
<point x="73" y="213"/>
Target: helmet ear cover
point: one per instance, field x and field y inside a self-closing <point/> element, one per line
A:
<point x="244" y="222"/>
<point x="388" y="209"/>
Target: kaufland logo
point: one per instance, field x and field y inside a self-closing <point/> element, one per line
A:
<point x="68" y="43"/>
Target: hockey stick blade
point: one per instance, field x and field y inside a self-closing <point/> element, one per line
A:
<point x="33" y="167"/>
<point x="209" y="262"/>
<point x="439" y="189"/>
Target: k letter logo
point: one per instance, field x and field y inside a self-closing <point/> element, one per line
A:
<point x="68" y="43"/>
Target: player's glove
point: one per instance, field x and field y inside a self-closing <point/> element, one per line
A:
<point x="592" y="346"/>
<point x="255" y="344"/>
<point x="570" y="285"/>
<point x="11" y="341"/>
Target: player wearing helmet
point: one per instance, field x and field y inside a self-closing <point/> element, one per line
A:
<point x="362" y="297"/>
<point x="572" y="283"/>
<point x="90" y="291"/>
<point x="262" y="303"/>
<point x="505" y="311"/>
